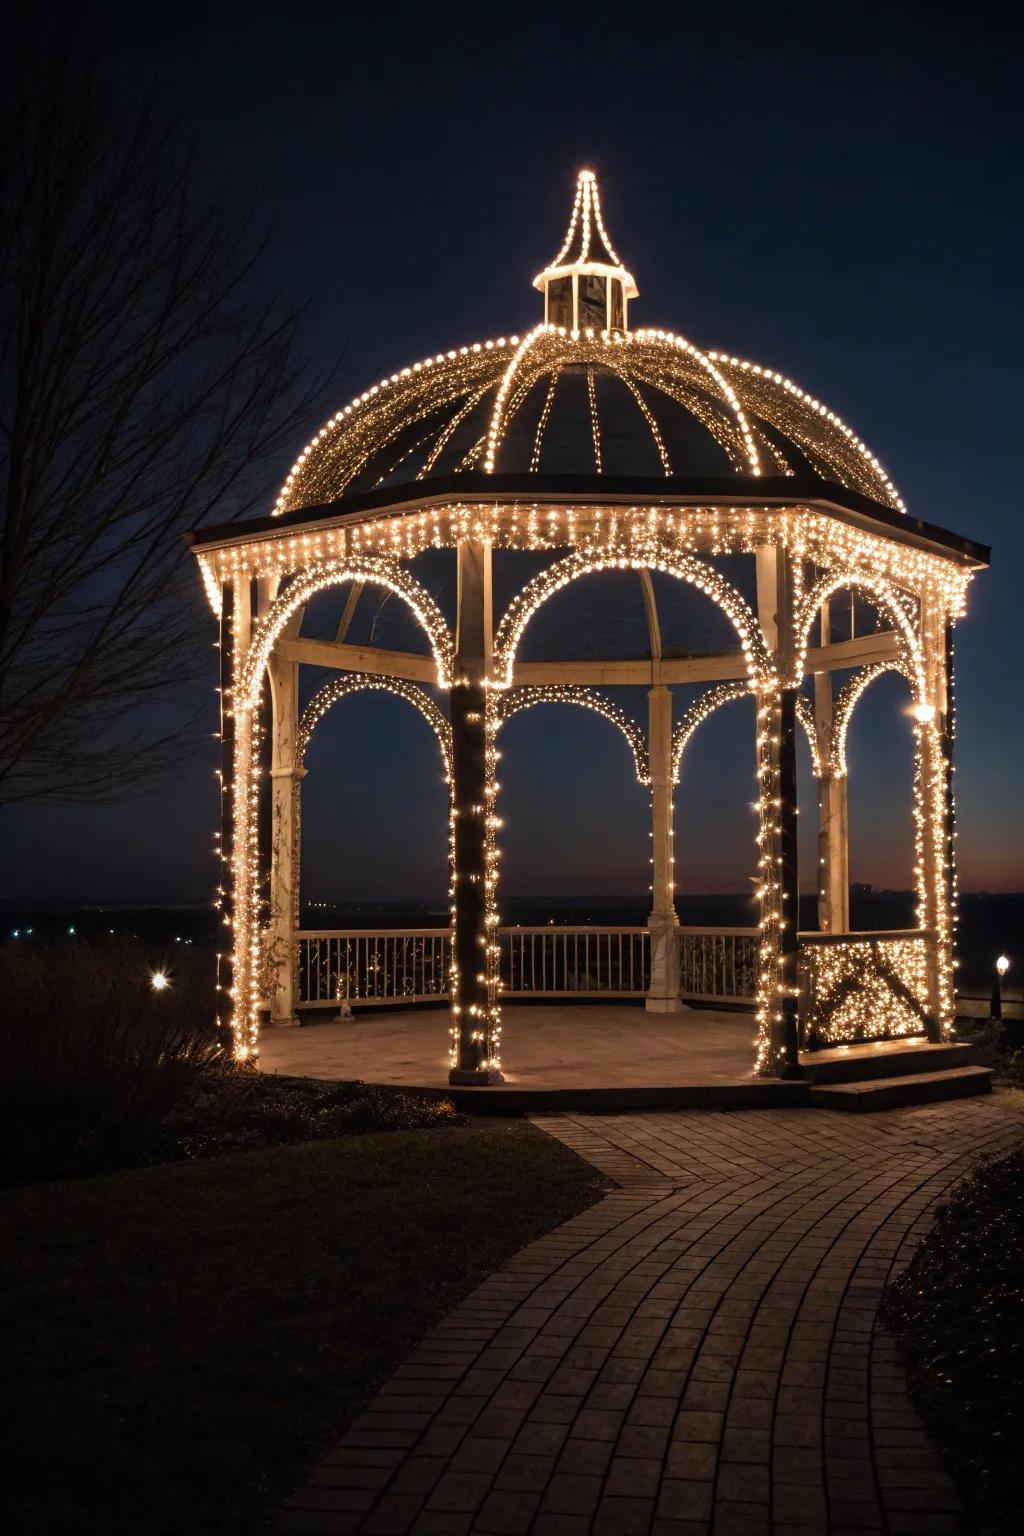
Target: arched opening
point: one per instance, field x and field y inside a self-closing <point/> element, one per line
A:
<point x="575" y="818"/>
<point x="879" y="758"/>
<point x="732" y="608"/>
<point x="257" y="916"/>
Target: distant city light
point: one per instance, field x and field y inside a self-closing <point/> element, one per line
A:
<point x="159" y="981"/>
<point x="71" y="930"/>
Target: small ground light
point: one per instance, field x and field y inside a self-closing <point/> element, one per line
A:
<point x="1002" y="966"/>
<point x="71" y="930"/>
<point x="159" y="981"/>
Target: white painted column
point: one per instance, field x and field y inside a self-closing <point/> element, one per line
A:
<point x="285" y="775"/>
<point x="833" y="819"/>
<point x="663" y="993"/>
<point x="833" y="855"/>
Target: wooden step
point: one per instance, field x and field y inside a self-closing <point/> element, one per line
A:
<point x="867" y="1063"/>
<point x="893" y="1092"/>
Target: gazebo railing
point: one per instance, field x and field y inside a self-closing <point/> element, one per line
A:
<point x="362" y="965"/>
<point x="568" y="962"/>
<point x="411" y="965"/>
<point x="718" y="965"/>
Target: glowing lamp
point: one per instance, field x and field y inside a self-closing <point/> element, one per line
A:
<point x="924" y="713"/>
<point x="159" y="981"/>
<point x="1002" y="965"/>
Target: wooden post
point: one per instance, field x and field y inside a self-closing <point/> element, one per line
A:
<point x="948" y="743"/>
<point x="774" y="608"/>
<point x="663" y="992"/>
<point x="225" y="841"/>
<point x="933" y="777"/>
<point x="473" y="990"/>
<point x="285" y="774"/>
<point x="237" y="604"/>
<point x="784" y="1031"/>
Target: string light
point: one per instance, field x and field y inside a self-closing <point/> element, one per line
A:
<point x="842" y="712"/>
<point x="428" y="410"/>
<point x="869" y="988"/>
<point x="357" y="682"/>
<point x="699" y="711"/>
<point x="317" y="578"/>
<point x="518" y="699"/>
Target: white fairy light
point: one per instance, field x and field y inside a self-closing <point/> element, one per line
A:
<point x="517" y="699"/>
<point x="414" y="416"/>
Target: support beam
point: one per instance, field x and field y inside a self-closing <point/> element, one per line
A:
<point x="663" y="993"/>
<point x="348" y="613"/>
<point x="718" y="667"/>
<point x="285" y="775"/>
<point x="474" y="980"/>
<point x="360" y="658"/>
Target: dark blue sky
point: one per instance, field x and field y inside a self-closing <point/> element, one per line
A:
<point x="833" y="190"/>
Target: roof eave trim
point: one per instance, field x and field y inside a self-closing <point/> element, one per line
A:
<point x="738" y="490"/>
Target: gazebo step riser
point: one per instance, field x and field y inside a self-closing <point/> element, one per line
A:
<point x="894" y="1093"/>
<point x="838" y="1067"/>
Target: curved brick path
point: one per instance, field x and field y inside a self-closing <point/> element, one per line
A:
<point x="696" y="1355"/>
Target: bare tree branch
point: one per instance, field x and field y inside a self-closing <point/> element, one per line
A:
<point x="147" y="385"/>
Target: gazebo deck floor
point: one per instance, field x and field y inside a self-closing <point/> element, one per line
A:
<point x="596" y="1056"/>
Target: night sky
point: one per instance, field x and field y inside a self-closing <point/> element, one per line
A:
<point x="835" y="191"/>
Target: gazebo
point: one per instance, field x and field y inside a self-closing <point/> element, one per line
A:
<point x="601" y="447"/>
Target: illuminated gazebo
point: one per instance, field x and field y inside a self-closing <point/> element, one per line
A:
<point x="603" y="448"/>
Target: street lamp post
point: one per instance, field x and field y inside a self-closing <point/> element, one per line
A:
<point x="1002" y="966"/>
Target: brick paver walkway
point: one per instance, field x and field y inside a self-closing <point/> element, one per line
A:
<point x="696" y="1355"/>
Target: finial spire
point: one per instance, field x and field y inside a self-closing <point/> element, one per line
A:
<point x="586" y="286"/>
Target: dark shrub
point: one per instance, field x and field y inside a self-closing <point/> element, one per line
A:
<point x="91" y="1057"/>
<point x="100" y="1071"/>
<point x="994" y="1046"/>
<point x="959" y="1312"/>
<point x="231" y="1110"/>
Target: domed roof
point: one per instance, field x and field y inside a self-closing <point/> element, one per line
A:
<point x="584" y="401"/>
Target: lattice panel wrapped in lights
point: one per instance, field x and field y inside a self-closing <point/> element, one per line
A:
<point x="863" y="987"/>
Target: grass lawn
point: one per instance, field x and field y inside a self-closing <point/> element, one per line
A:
<point x="182" y="1341"/>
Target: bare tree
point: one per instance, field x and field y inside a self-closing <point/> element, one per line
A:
<point x="146" y="386"/>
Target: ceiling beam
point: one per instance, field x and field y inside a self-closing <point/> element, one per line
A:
<point x="720" y="667"/>
<point x="360" y="658"/>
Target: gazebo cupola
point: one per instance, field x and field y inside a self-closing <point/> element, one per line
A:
<point x="586" y="286"/>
